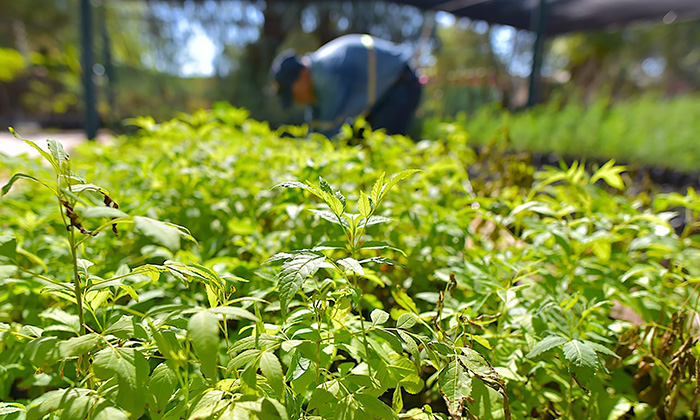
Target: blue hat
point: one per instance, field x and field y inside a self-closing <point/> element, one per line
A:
<point x="284" y="72"/>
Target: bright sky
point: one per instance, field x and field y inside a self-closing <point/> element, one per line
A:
<point x="201" y="52"/>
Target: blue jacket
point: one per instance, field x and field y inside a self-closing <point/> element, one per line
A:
<point x="349" y="75"/>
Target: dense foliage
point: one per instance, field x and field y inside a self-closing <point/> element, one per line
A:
<point x="645" y="131"/>
<point x="249" y="275"/>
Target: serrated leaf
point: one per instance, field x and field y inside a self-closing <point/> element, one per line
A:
<point x="546" y="344"/>
<point x="244" y="359"/>
<point x="208" y="406"/>
<point x="272" y="369"/>
<point x="128" y="364"/>
<point x="131" y="369"/>
<point x="400" y="177"/>
<point x="58" y="152"/>
<point x="13" y="179"/>
<point x="455" y="384"/>
<point x="352" y="265"/>
<point x="380" y="245"/>
<point x="334" y="204"/>
<point x="476" y="363"/>
<point x="375" y="220"/>
<point x="330" y="217"/>
<point x="380" y="260"/>
<point x="341" y="198"/>
<point x="378" y="188"/>
<point x="404" y="300"/>
<point x="580" y="355"/>
<point x="203" y="330"/>
<point x="406" y="321"/>
<point x="363" y="205"/>
<point x="162" y="385"/>
<point x="325" y="187"/>
<point x="292" y="184"/>
<point x="378" y="317"/>
<point x="159" y="232"/>
<point x="599" y="348"/>
<point x="293" y="274"/>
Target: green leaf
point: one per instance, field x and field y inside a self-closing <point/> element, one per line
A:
<point x="41" y="151"/>
<point x="601" y="349"/>
<point x="8" y="247"/>
<point x="208" y="406"/>
<point x="404" y="300"/>
<point x="400" y="177"/>
<point x="378" y="317"/>
<point x="380" y="245"/>
<point x="378" y="188"/>
<point x="455" y="385"/>
<point x="272" y="370"/>
<point x="352" y="265"/>
<point x="406" y="321"/>
<point x="476" y="362"/>
<point x="203" y="330"/>
<point x="330" y="217"/>
<point x="363" y="205"/>
<point x="78" y="188"/>
<point x="10" y="408"/>
<point x="374" y="407"/>
<point x="294" y="272"/>
<point x="580" y="354"/>
<point x="58" y="152"/>
<point x="101" y="212"/>
<point x="546" y="344"/>
<point x="78" y="345"/>
<point x="108" y="413"/>
<point x="77" y="408"/>
<point x="13" y="179"/>
<point x="43" y="351"/>
<point x="160" y="232"/>
<point x="341" y="198"/>
<point x="292" y="184"/>
<point x="128" y="364"/>
<point x="233" y="312"/>
<point x="244" y="359"/>
<point x="162" y="385"/>
<point x="325" y="187"/>
<point x="131" y="369"/>
<point x="334" y="204"/>
<point x="610" y="174"/>
<point x="50" y="402"/>
<point x="397" y="400"/>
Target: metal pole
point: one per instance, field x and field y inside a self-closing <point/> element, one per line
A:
<point x="535" y="88"/>
<point x="109" y="67"/>
<point x="88" y="59"/>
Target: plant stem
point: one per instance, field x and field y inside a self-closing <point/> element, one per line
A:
<point x="76" y="281"/>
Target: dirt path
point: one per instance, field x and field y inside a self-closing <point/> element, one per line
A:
<point x="9" y="145"/>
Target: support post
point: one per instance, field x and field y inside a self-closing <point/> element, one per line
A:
<point x="87" y="61"/>
<point x="535" y="86"/>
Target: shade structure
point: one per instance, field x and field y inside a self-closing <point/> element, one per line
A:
<point x="566" y="16"/>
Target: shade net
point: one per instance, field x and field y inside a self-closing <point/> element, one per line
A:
<point x="564" y="16"/>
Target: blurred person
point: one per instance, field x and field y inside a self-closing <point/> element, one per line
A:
<point x="351" y="76"/>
